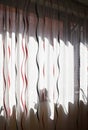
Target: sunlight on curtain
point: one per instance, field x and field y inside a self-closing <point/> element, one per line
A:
<point x="66" y="81"/>
<point x="32" y="73"/>
<point x="83" y="72"/>
<point x="37" y="67"/>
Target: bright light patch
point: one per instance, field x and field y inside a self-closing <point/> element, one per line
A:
<point x="32" y="73"/>
<point x="66" y="79"/>
<point x="83" y="73"/>
<point x="49" y="72"/>
<point x="12" y="100"/>
<point x="70" y="72"/>
<point x="41" y="62"/>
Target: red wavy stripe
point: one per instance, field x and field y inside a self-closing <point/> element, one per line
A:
<point x="26" y="50"/>
<point x="8" y="81"/>
<point x="26" y="81"/>
<point x="43" y="70"/>
<point x="4" y="78"/>
<point x="4" y="94"/>
<point x="23" y="104"/>
<point x="8" y="78"/>
<point x="9" y="51"/>
<point x="22" y="98"/>
<point x="5" y="105"/>
<point x="22" y="73"/>
<point x="53" y="70"/>
<point x="22" y="64"/>
<point x="4" y="84"/>
<point x="23" y="47"/>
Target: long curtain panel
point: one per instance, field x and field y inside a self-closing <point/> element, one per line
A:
<point x="43" y="71"/>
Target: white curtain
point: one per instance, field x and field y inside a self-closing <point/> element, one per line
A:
<point x="43" y="71"/>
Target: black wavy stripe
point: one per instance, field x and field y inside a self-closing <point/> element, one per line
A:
<point x="58" y="77"/>
<point x="57" y="87"/>
<point x="16" y="19"/>
<point x="58" y="55"/>
<point x="15" y="49"/>
<point x="4" y="38"/>
<point x="56" y="106"/>
<point x="27" y="23"/>
<point x="36" y="32"/>
<point x="23" y="25"/>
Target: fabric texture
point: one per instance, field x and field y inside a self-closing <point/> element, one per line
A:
<point x="43" y="71"/>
